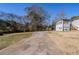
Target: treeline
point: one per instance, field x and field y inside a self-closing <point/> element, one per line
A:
<point x="10" y="26"/>
<point x="34" y="20"/>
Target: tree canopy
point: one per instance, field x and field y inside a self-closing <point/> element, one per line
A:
<point x="74" y="17"/>
<point x="37" y="16"/>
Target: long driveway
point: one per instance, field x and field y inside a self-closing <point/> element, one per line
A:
<point x="39" y="43"/>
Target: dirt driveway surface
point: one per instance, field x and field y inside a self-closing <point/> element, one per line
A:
<point x="39" y="44"/>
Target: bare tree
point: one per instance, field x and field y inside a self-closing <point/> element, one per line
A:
<point x="37" y="16"/>
<point x="60" y="15"/>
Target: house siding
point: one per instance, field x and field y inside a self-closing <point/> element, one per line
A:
<point x="63" y="26"/>
<point x="67" y="26"/>
<point x="75" y="24"/>
<point x="59" y="27"/>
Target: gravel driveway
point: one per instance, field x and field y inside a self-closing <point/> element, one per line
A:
<point x="39" y="44"/>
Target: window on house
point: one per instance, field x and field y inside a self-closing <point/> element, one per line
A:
<point x="60" y="28"/>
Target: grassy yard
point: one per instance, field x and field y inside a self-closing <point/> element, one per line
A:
<point x="9" y="39"/>
<point x="68" y="42"/>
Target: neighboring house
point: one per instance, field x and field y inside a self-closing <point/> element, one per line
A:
<point x="63" y="25"/>
<point x="75" y="24"/>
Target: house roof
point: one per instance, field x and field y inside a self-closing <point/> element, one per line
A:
<point x="67" y="20"/>
<point x="63" y="20"/>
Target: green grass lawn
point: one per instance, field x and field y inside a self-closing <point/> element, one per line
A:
<point x="9" y="39"/>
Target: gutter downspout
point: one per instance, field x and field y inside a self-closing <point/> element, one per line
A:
<point x="63" y="24"/>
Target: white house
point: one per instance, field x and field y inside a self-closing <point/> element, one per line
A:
<point x="75" y="24"/>
<point x="63" y="25"/>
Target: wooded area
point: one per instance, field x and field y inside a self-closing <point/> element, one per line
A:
<point x="34" y="20"/>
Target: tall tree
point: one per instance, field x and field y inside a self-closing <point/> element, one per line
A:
<point x="37" y="16"/>
<point x="60" y="15"/>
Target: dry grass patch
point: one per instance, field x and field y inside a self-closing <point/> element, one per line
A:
<point x="68" y="42"/>
<point x="9" y="39"/>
